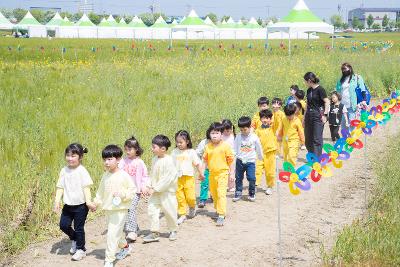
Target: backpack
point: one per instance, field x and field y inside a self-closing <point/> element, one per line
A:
<point x="359" y="93"/>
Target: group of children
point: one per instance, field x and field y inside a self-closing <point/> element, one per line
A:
<point x="222" y="160"/>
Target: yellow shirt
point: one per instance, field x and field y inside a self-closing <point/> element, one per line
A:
<point x="304" y="106"/>
<point x="255" y="121"/>
<point x="218" y="157"/>
<point x="292" y="131"/>
<point x="267" y="138"/>
<point x="277" y="120"/>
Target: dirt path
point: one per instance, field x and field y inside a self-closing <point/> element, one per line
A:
<point x="250" y="235"/>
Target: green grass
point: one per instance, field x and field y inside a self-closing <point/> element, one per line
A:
<point x="375" y="240"/>
<point x="96" y="98"/>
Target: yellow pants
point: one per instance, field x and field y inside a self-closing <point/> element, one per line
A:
<point x="115" y="235"/>
<point x="290" y="152"/>
<point x="218" y="184"/>
<point x="268" y="164"/>
<point x="185" y="194"/>
<point x="165" y="201"/>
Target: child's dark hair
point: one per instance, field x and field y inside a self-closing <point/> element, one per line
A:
<point x="262" y="101"/>
<point x="310" y="76"/>
<point x="289" y="109"/>
<point x="216" y="126"/>
<point x="277" y="100"/>
<point x="228" y="125"/>
<point x="338" y="95"/>
<point x="161" y="141"/>
<point x="77" y="149"/>
<point x="112" y="151"/>
<point x="299" y="106"/>
<point x="300" y="94"/>
<point x="186" y="136"/>
<point x="267" y="113"/>
<point x="132" y="142"/>
<point x="295" y="87"/>
<point x="244" y="122"/>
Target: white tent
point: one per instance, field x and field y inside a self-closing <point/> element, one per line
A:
<point x="106" y="30"/>
<point x="30" y="24"/>
<point x="67" y="29"/>
<point x="160" y="29"/>
<point x="193" y="27"/>
<point x="86" y="28"/>
<point x="5" y="24"/>
<point x="140" y="30"/>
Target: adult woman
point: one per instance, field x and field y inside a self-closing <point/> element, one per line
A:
<point x="346" y="86"/>
<point x="316" y="114"/>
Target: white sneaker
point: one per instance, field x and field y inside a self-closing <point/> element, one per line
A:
<point x="268" y="191"/>
<point x="73" y="247"/>
<point x="124" y="252"/>
<point x="79" y="254"/>
<point x="303" y="147"/>
<point x="172" y="236"/>
<point x="108" y="264"/>
<point x="181" y="219"/>
<point x="131" y="236"/>
<point x="192" y="213"/>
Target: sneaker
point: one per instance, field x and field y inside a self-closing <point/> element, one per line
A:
<point x="220" y="221"/>
<point x="232" y="190"/>
<point x="201" y="204"/>
<point x="237" y="197"/>
<point x="172" y="236"/>
<point x="108" y="264"/>
<point x="268" y="191"/>
<point x="181" y="219"/>
<point x="303" y="147"/>
<point x="79" y="254"/>
<point x="124" y="252"/>
<point x="252" y="198"/>
<point x="192" y="213"/>
<point x="153" y="237"/>
<point x="131" y="236"/>
<point x="73" y="247"/>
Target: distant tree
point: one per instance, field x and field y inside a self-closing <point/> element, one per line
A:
<point x="149" y="18"/>
<point x="225" y="18"/>
<point x="273" y="19"/>
<point x="38" y="15"/>
<point x="260" y="21"/>
<point x="77" y="16"/>
<point x="117" y="18"/>
<point x="244" y="20"/>
<point x="213" y="17"/>
<point x="48" y="15"/>
<point x="361" y="26"/>
<point x="19" y="13"/>
<point x="370" y="20"/>
<point x="66" y="14"/>
<point x="398" y="25"/>
<point x="392" y="24"/>
<point x="6" y="12"/>
<point x="376" y="26"/>
<point x="128" y="18"/>
<point x="94" y="18"/>
<point x="336" y="21"/>
<point x="355" y="23"/>
<point x="385" y="21"/>
<point x="345" y="25"/>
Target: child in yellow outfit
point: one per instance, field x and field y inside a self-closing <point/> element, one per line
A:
<point x="302" y="107"/>
<point x="263" y="104"/>
<point x="292" y="134"/>
<point x="277" y="117"/>
<point x="218" y="156"/>
<point x="162" y="189"/>
<point x="115" y="195"/>
<point x="185" y="158"/>
<point x="269" y="144"/>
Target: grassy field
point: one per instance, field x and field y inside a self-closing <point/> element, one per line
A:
<point x="50" y="99"/>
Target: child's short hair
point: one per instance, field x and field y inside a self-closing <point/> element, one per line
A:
<point x="267" y="113"/>
<point x="244" y="122"/>
<point x="161" y="141"/>
<point x="338" y="95"/>
<point x="289" y="109"/>
<point x="277" y="100"/>
<point x="294" y="87"/>
<point x="300" y="94"/>
<point x="185" y="135"/>
<point x="215" y="126"/>
<point x="76" y="148"/>
<point x="133" y="143"/>
<point x="262" y="101"/>
<point x="228" y="125"/>
<point x="112" y="151"/>
<point x="299" y="106"/>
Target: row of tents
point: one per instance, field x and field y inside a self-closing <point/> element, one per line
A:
<point x="300" y="23"/>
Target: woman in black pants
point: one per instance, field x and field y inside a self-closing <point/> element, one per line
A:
<point x="316" y="114"/>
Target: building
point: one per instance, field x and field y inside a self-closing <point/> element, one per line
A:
<point x="86" y="7"/>
<point x="377" y="13"/>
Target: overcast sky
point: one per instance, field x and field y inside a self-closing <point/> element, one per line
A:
<point x="235" y="8"/>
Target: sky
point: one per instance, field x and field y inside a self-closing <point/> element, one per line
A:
<point x="234" y="8"/>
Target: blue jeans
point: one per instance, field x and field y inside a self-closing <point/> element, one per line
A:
<point x="351" y="115"/>
<point x="250" y="169"/>
<point x="204" y="186"/>
<point x="78" y="215"/>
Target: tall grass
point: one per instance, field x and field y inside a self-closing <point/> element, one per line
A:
<point x="51" y="99"/>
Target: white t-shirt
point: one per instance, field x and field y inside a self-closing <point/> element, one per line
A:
<point x="185" y="160"/>
<point x="73" y="181"/>
<point x="346" y="93"/>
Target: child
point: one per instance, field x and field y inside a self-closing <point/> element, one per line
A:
<point x="229" y="136"/>
<point x="219" y="159"/>
<point x="185" y="158"/>
<point x="263" y="104"/>
<point x="162" y="190"/>
<point x="269" y="145"/>
<point x="74" y="186"/>
<point x="135" y="167"/>
<point x="204" y="185"/>
<point x="299" y="111"/>
<point x="292" y="98"/>
<point x="277" y="118"/>
<point x="336" y="112"/>
<point x="114" y="195"/>
<point x="247" y="150"/>
<point x="292" y="134"/>
<point x="299" y="95"/>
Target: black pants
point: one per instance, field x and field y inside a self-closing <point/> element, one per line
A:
<point x="313" y="131"/>
<point x="77" y="214"/>
<point x="334" y="132"/>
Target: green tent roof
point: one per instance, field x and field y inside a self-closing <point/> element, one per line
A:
<point x="104" y="23"/>
<point x="66" y="22"/>
<point x="85" y="22"/>
<point x="301" y="13"/>
<point x="208" y="21"/>
<point x="112" y="21"/>
<point x="29" y="20"/>
<point x="193" y="19"/>
<point x="4" y="22"/>
<point x="160" y="23"/>
<point x="122" y="23"/>
<point x="55" y="21"/>
<point x="253" y="24"/>
<point x="230" y="24"/>
<point x="137" y="23"/>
